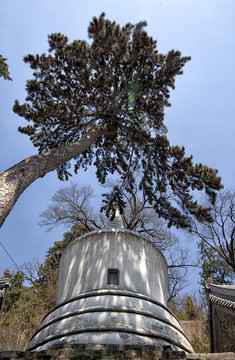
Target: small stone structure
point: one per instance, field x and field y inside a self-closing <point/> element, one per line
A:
<point x="221" y="316"/>
<point x="111" y="291"/>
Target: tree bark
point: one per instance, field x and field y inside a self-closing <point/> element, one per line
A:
<point x="16" y="179"/>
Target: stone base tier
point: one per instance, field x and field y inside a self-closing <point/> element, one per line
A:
<point x="118" y="317"/>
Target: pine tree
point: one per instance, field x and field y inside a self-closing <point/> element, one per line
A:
<point x="4" y="72"/>
<point x="103" y="103"/>
<point x="189" y="310"/>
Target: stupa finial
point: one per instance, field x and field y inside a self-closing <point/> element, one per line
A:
<point x="115" y="220"/>
<point x="114" y="206"/>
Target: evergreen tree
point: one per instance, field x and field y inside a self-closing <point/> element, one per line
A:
<point x="189" y="310"/>
<point x="192" y="312"/>
<point x="103" y="103"/>
<point x="4" y="72"/>
<point x="22" y="313"/>
<point x="14" y="291"/>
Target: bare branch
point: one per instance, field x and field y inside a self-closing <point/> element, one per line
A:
<point x="219" y="234"/>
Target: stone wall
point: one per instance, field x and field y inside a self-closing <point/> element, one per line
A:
<point x="111" y="352"/>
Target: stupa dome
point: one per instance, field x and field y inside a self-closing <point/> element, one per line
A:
<point x="112" y="290"/>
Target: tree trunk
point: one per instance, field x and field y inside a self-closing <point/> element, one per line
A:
<point x="15" y="180"/>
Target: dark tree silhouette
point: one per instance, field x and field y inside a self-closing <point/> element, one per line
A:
<point x="103" y="104"/>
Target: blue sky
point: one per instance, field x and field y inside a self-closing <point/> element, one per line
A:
<point x="203" y="106"/>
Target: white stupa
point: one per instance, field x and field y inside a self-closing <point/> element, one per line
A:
<point x="112" y="290"/>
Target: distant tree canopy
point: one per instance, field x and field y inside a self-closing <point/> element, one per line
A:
<point x="110" y="96"/>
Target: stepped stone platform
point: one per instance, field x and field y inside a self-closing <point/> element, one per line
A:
<point x="112" y="352"/>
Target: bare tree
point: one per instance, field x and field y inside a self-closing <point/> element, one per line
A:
<point x="219" y="234"/>
<point x="71" y="205"/>
<point x="140" y="216"/>
<point x="30" y="271"/>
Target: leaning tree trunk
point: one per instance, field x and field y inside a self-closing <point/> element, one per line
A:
<point x="16" y="179"/>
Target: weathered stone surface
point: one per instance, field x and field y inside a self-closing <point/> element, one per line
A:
<point x="92" y="309"/>
<point x="111" y="352"/>
<point x="76" y="354"/>
<point x="84" y="264"/>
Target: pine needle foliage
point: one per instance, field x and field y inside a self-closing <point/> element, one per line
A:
<point x="4" y="72"/>
<point x="118" y="79"/>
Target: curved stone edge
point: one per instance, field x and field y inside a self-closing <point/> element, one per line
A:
<point x="70" y="337"/>
<point x="115" y="231"/>
<point x="101" y="231"/>
<point x="108" y="309"/>
<point x="104" y="292"/>
<point x="140" y="332"/>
